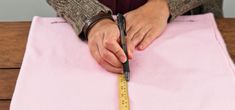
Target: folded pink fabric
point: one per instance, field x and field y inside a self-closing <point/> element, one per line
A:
<point x="186" y="68"/>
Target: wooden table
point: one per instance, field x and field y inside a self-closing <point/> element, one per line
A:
<point x="13" y="37"/>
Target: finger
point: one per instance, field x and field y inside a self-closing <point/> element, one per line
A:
<point x="108" y="56"/>
<point x="116" y="49"/>
<point x="95" y="53"/>
<point x="148" y="39"/>
<point x="138" y="36"/>
<point x="128" y="22"/>
<point x="130" y="48"/>
<point x="132" y="30"/>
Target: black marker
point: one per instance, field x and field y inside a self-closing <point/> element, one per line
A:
<point x="122" y="27"/>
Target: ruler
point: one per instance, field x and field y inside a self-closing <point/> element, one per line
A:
<point x="123" y="93"/>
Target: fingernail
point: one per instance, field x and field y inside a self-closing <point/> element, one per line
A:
<point x="123" y="59"/>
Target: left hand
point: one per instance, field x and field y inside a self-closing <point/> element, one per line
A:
<point x="145" y="24"/>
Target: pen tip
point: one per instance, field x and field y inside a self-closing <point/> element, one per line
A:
<point x="127" y="76"/>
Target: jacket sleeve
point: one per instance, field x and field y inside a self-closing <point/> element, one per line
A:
<point x="179" y="7"/>
<point x="214" y="6"/>
<point x="76" y="12"/>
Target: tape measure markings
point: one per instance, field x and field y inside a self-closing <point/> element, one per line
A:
<point x="123" y="93"/>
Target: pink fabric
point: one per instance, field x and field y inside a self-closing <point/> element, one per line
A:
<point x="187" y="68"/>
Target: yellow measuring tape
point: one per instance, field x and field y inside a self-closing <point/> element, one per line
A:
<point x="123" y="93"/>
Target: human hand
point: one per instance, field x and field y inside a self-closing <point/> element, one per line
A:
<point x="103" y="41"/>
<point x="145" y="24"/>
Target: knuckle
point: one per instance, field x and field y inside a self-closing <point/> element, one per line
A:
<point x="128" y="41"/>
<point x="147" y="40"/>
<point x="128" y="38"/>
<point x="143" y="43"/>
<point x="110" y="70"/>
<point x="105" y="55"/>
<point x="151" y="35"/>
<point x="140" y="35"/>
<point x="130" y="45"/>
<point x="107" y="43"/>
<point x="100" y="61"/>
<point x="120" y="54"/>
<point x="92" y="51"/>
<point x="113" y="70"/>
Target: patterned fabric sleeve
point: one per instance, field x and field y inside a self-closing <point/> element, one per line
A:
<point x="214" y="6"/>
<point x="76" y="12"/>
<point x="179" y="7"/>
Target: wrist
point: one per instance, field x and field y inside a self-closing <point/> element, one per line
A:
<point x="90" y="23"/>
<point x="162" y="5"/>
<point x="99" y="25"/>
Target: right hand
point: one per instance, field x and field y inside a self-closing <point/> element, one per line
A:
<point x="103" y="41"/>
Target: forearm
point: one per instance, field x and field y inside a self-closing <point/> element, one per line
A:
<point x="76" y="12"/>
<point x="163" y="6"/>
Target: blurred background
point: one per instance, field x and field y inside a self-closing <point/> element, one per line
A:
<point x="24" y="10"/>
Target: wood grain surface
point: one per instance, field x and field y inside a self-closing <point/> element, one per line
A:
<point x="4" y="104"/>
<point x="13" y="38"/>
<point x="227" y="29"/>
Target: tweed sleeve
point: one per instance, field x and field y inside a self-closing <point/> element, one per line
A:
<point x="76" y="12"/>
<point x="179" y="7"/>
<point x="214" y="6"/>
